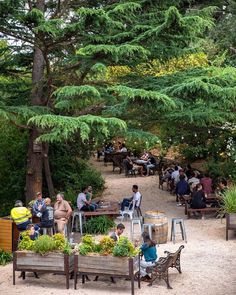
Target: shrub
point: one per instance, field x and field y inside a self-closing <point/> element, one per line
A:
<point x="124" y="248"/>
<point x="26" y="243"/>
<point x="99" y="225"/>
<point x="44" y="244"/>
<point x="5" y="257"/>
<point x="229" y="200"/>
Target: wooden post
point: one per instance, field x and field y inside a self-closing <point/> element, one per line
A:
<point x="66" y="268"/>
<point x="75" y="270"/>
<point x="131" y="273"/>
<point x="139" y="286"/>
<point x="14" y="268"/>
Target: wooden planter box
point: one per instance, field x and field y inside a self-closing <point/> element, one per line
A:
<point x="108" y="266"/>
<point x="51" y="262"/>
<point x="8" y="234"/>
<point x="230" y="223"/>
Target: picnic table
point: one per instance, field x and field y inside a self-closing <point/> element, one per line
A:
<point x="210" y="199"/>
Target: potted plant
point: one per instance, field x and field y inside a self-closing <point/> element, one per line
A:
<point x="106" y="258"/>
<point x="229" y="208"/>
<point x="45" y="254"/>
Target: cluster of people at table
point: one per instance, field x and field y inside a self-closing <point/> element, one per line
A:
<point x="199" y="186"/>
<point x="143" y="165"/>
<point x="42" y="209"/>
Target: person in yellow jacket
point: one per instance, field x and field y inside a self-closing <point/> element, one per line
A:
<point x="21" y="216"/>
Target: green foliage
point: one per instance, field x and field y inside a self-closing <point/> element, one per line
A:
<point x="106" y="245"/>
<point x="124" y="248"/>
<point x="229" y="200"/>
<point x="44" y="244"/>
<point x="60" y="241"/>
<point x="87" y="245"/>
<point x="72" y="174"/>
<point x="5" y="257"/>
<point x="99" y="225"/>
<point x="13" y="145"/>
<point x="26" y="243"/>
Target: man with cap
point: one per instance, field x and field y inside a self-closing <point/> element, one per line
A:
<point x="21" y="216"/>
<point x="39" y="205"/>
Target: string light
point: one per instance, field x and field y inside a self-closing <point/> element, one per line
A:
<point x="170" y="139"/>
<point x="209" y="131"/>
<point x="182" y="137"/>
<point x="195" y="134"/>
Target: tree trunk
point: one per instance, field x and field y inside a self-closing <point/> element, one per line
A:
<point x="34" y="167"/>
<point x="34" y="155"/>
<point x="47" y="170"/>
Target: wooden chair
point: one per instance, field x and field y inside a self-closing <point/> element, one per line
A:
<point x="160" y="269"/>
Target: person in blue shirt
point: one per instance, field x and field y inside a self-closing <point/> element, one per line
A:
<point x="182" y="188"/>
<point x="149" y="251"/>
<point x="39" y="205"/>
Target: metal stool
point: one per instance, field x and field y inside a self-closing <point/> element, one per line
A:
<point x="74" y="219"/>
<point x="150" y="226"/>
<point x="174" y="222"/>
<point x="47" y="230"/>
<point x="132" y="223"/>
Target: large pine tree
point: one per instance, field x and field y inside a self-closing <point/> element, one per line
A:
<point x="67" y="47"/>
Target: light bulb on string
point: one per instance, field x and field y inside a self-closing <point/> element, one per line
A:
<point x="170" y="139"/>
<point x="182" y="137"/>
<point x="195" y="134"/>
<point x="209" y="131"/>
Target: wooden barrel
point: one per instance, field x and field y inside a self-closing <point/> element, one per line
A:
<point x="160" y="230"/>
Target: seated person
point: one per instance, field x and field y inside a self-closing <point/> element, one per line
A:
<point x="149" y="251"/>
<point x="38" y="205"/>
<point x="21" y="216"/>
<point x="193" y="181"/>
<point x="47" y="219"/>
<point x="182" y="188"/>
<point x="119" y="231"/>
<point x="206" y="183"/>
<point x="132" y="202"/>
<point x="62" y="213"/>
<point x="143" y="159"/>
<point x="33" y="231"/>
<point x="150" y="164"/>
<point x="123" y="148"/>
<point x="198" y="200"/>
<point x="109" y="148"/>
<point x="129" y="165"/>
<point x="82" y="203"/>
<point x="89" y="197"/>
<point x="222" y="187"/>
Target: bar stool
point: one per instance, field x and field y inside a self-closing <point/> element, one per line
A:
<point x="150" y="226"/>
<point x="132" y="223"/>
<point x="74" y="219"/>
<point x="174" y="222"/>
<point x="47" y="230"/>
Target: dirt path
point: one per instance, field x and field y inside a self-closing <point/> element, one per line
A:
<point x="208" y="261"/>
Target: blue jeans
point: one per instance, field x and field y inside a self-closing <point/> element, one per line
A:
<point x="23" y="226"/>
<point x="126" y="203"/>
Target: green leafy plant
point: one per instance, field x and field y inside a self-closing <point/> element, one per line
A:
<point x="87" y="245"/>
<point x="106" y="245"/>
<point x="60" y="241"/>
<point x="44" y="244"/>
<point x="26" y="243"/>
<point x="229" y="200"/>
<point x="5" y="257"/>
<point x="99" y="225"/>
<point x="124" y="248"/>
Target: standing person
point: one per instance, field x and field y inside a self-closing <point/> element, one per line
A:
<point x="39" y="205"/>
<point x="133" y="201"/>
<point x="149" y="251"/>
<point x="21" y="216"/>
<point x="82" y="203"/>
<point x="118" y="232"/>
<point x="47" y="215"/>
<point x="62" y="213"/>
